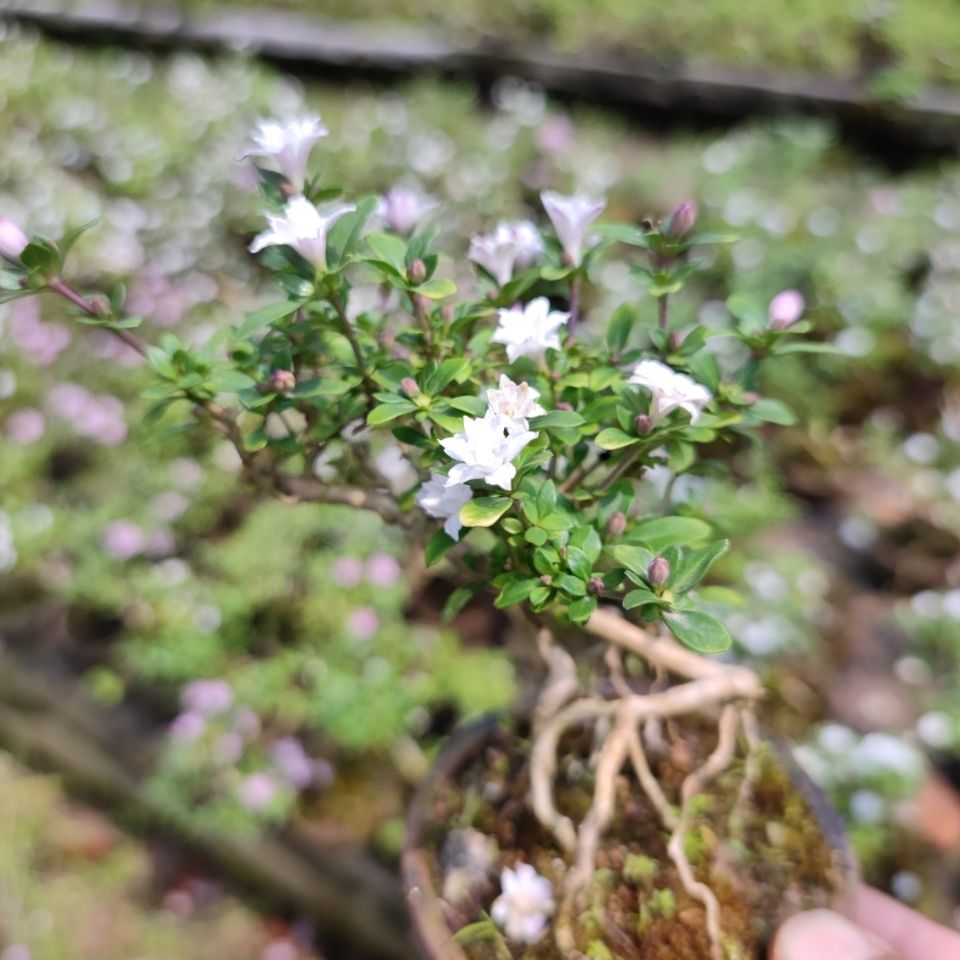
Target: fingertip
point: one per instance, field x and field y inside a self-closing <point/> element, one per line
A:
<point x="829" y="936"/>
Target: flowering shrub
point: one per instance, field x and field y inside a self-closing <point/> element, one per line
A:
<point x="546" y="460"/>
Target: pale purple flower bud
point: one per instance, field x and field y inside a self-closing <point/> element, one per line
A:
<point x="417" y="272"/>
<point x="13" y="241"/>
<point x="617" y="524"/>
<point x="409" y="386"/>
<point x="786" y="308"/>
<point x="283" y="381"/>
<point x="595" y="586"/>
<point x="680" y="222"/>
<point x="642" y="424"/>
<point x="658" y="572"/>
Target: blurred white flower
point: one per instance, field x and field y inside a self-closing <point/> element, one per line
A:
<point x="525" y="903"/>
<point x="531" y="330"/>
<point x="443" y="502"/>
<point x="570" y="217"/>
<point x="512" y="246"/>
<point x="304" y="227"/>
<point x="669" y="390"/>
<point x="403" y="208"/>
<point x="287" y="145"/>
<point x="515" y="401"/>
<point x="13" y="240"/>
<point x="486" y="448"/>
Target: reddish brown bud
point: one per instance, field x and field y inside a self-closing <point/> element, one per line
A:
<point x="658" y="572"/>
<point x="409" y="386"/>
<point x="101" y="305"/>
<point x="616" y="524"/>
<point x="546" y="579"/>
<point x="563" y="405"/>
<point x="417" y="272"/>
<point x="676" y="340"/>
<point x="595" y="586"/>
<point x="283" y="381"/>
<point x="642" y="424"/>
<point x="447" y="312"/>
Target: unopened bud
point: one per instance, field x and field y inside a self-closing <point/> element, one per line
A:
<point x="642" y="424"/>
<point x="563" y="405"/>
<point x="676" y="340"/>
<point x="680" y="222"/>
<point x="409" y="386"/>
<point x="658" y="572"/>
<point x="13" y="241"/>
<point x="417" y="272"/>
<point x="546" y="579"/>
<point x="283" y="381"/>
<point x="751" y="397"/>
<point x="595" y="586"/>
<point x="786" y="308"/>
<point x="448" y="313"/>
<point x="616" y="524"/>
<point x="101" y="305"/>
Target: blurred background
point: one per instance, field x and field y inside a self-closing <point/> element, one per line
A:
<point x="213" y="710"/>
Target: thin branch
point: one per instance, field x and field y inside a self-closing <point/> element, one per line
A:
<point x="57" y="286"/>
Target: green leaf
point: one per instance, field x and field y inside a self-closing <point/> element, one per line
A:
<point x="635" y="558"/>
<point x="614" y="439"/>
<point x="345" y="234"/>
<point x="579" y="563"/>
<point x="458" y="600"/>
<point x="689" y="567"/>
<point x="437" y="288"/>
<point x="557" y="418"/>
<point x="806" y="346"/>
<point x="515" y="592"/>
<point x="659" y="533"/>
<point x="266" y="315"/>
<point x="484" y="511"/>
<point x="390" y="249"/>
<point x="698" y="631"/>
<point x="386" y="412"/>
<point x="438" y="544"/>
<point x="639" y="597"/>
<point x="622" y="233"/>
<point x="574" y="586"/>
<point x="588" y="540"/>
<point x="773" y="411"/>
<point x="581" y="610"/>
<point x="230" y="381"/>
<point x="618" y="331"/>
<point x="453" y="369"/>
<point x="321" y="387"/>
<point x="536" y="535"/>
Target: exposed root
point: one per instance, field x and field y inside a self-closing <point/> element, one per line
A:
<point x="648" y="782"/>
<point x="751" y="773"/>
<point x="561" y="683"/>
<point x="717" y="762"/>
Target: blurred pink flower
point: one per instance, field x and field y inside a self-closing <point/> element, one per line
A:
<point x="187" y="727"/>
<point x="12" y="240"/>
<point x="363" y="623"/>
<point x="25" y="426"/>
<point x="207" y="697"/>
<point x="383" y="570"/>
<point x="347" y="571"/>
<point x="257" y="791"/>
<point x="292" y="762"/>
<point x="786" y="308"/>
<point x="40" y="342"/>
<point x="123" y="539"/>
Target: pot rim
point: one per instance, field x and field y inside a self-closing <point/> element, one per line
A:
<point x="423" y="903"/>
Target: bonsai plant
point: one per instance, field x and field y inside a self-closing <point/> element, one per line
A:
<point x="635" y="809"/>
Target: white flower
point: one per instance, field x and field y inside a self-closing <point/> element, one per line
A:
<point x="515" y="401"/>
<point x="13" y="241"/>
<point x="512" y="246"/>
<point x="486" y="448"/>
<point x="670" y="390"/>
<point x="304" y="227"/>
<point x="287" y="144"/>
<point x="530" y="331"/>
<point x="525" y="903"/>
<point x="403" y="208"/>
<point x="570" y="217"/>
<point x="439" y="500"/>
